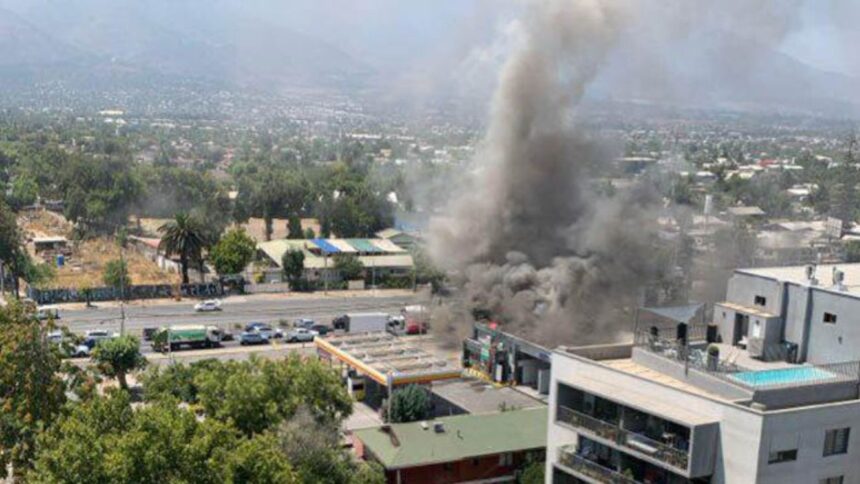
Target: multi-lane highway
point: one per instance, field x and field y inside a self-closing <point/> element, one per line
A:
<point x="236" y="310"/>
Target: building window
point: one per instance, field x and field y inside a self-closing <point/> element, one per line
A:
<point x="830" y="318"/>
<point x="760" y="301"/>
<point x="506" y="459"/>
<point x="836" y="441"/>
<point x="832" y="480"/>
<point x="778" y="456"/>
<point x="476" y="462"/>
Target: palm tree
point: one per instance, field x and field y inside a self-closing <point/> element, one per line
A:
<point x="185" y="236"/>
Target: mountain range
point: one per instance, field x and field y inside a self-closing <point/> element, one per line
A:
<point x="383" y="46"/>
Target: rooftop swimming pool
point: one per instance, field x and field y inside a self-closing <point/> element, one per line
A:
<point x="782" y="376"/>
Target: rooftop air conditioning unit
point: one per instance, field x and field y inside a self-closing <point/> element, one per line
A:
<point x="438" y="427"/>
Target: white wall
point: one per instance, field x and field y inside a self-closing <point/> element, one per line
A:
<point x="808" y="426"/>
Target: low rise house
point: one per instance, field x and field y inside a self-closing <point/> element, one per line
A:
<point x="381" y="258"/>
<point x="464" y="448"/>
<point x="400" y="238"/>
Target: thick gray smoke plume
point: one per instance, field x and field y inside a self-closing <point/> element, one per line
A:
<point x="541" y="250"/>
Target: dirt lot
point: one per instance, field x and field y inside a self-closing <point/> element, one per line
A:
<point x="84" y="267"/>
<point x="43" y="223"/>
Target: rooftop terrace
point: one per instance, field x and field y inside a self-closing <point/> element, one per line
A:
<point x="732" y="376"/>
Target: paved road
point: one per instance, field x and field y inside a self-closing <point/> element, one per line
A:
<point x="236" y="310"/>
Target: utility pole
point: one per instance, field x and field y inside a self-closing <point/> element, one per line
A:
<point x="122" y="268"/>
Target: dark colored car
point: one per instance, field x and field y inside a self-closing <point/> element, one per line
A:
<point x="148" y="333"/>
<point x="322" y="329"/>
<point x="340" y="322"/>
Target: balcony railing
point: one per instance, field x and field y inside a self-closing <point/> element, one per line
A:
<point x="644" y="445"/>
<point x="606" y="430"/>
<point x="569" y="458"/>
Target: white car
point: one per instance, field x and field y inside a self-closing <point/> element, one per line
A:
<point x="301" y="335"/>
<point x="208" y="305"/>
<point x="91" y="339"/>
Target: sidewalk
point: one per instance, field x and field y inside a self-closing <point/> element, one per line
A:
<point x="373" y="293"/>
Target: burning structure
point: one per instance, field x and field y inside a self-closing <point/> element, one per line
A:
<point x="534" y="243"/>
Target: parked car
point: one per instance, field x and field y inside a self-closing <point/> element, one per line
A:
<point x="91" y="339"/>
<point x="253" y="337"/>
<point x="226" y="335"/>
<point x="208" y="305"/>
<point x="306" y="323"/>
<point x="148" y="333"/>
<point x="321" y="329"/>
<point x="47" y="312"/>
<point x="266" y="330"/>
<point x="301" y="335"/>
<point x="340" y="322"/>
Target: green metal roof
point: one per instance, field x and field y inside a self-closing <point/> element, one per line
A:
<point x="363" y="245"/>
<point x="465" y="436"/>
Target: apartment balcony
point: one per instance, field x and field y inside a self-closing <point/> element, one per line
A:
<point x="613" y="432"/>
<point x="592" y="469"/>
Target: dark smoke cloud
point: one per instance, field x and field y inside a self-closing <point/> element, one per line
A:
<point x="541" y="250"/>
<point x="529" y="238"/>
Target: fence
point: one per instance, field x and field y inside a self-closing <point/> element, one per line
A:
<point x="768" y="379"/>
<point x="149" y="291"/>
<point x="569" y="458"/>
<point x="616" y="433"/>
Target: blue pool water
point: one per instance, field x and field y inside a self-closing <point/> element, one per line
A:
<point x="783" y="376"/>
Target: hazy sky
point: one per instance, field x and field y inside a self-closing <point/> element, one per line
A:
<point x="828" y="36"/>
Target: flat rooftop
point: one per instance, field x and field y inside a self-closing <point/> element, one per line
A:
<point x="477" y="396"/>
<point x="737" y="379"/>
<point x="823" y="272"/>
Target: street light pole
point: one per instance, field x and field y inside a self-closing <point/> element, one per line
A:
<point x="122" y="270"/>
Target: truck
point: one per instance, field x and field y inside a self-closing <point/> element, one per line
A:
<point x="411" y="320"/>
<point x="361" y="322"/>
<point x="191" y="335"/>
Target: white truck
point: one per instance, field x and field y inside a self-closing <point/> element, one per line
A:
<point x="361" y="322"/>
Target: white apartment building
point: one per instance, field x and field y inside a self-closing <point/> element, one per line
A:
<point x="727" y="403"/>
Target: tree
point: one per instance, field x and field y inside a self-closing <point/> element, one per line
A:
<point x="31" y="389"/>
<point x="12" y="253"/>
<point x="425" y="272"/>
<point x="852" y="251"/>
<point x="36" y="274"/>
<point x="25" y="191"/>
<point x="349" y="266"/>
<point x="533" y="473"/>
<point x="294" y="227"/>
<point x="410" y="404"/>
<point x="99" y="192"/>
<point x="183" y="236"/>
<point x="105" y="440"/>
<point x="314" y="450"/>
<point x="309" y="233"/>
<point x="233" y="252"/>
<point x="116" y="275"/>
<point x="293" y="262"/>
<point x="257" y="394"/>
<point x="117" y="357"/>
